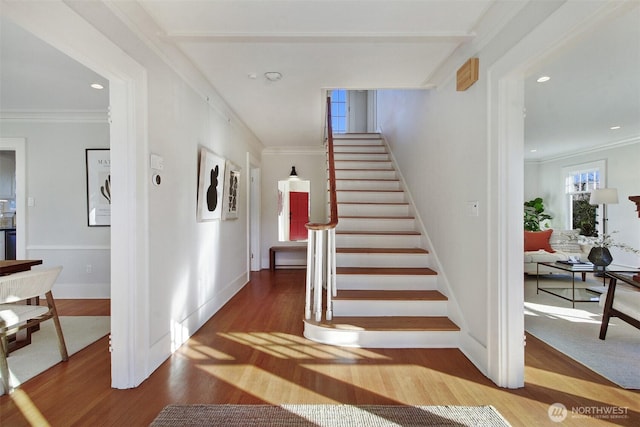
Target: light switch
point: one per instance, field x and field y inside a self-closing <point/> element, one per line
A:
<point x="473" y="208"/>
<point x="31" y="201"/>
<point x="157" y="162"/>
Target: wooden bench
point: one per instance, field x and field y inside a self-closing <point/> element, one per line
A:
<point x="275" y="249"/>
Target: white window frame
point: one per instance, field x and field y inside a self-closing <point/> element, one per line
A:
<point x="568" y="174"/>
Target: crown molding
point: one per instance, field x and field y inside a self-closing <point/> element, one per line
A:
<point x="55" y="116"/>
<point x="604" y="147"/>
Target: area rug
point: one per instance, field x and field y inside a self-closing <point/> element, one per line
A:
<point x="574" y="332"/>
<point x="327" y="415"/>
<point x="42" y="353"/>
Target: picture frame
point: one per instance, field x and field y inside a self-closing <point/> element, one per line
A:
<point x="211" y="175"/>
<point x="98" y="170"/>
<point x="231" y="190"/>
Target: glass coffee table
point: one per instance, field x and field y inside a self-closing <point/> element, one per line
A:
<point x="580" y="294"/>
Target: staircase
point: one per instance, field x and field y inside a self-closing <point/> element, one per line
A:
<point x="387" y="293"/>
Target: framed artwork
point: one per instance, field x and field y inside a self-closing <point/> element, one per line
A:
<point x="210" y="186"/>
<point x="231" y="187"/>
<point x="98" y="161"/>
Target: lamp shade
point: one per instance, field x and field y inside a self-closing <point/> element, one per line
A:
<point x="604" y="196"/>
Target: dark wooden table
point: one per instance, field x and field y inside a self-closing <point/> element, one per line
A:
<point x="16" y="266"/>
<point x="22" y="338"/>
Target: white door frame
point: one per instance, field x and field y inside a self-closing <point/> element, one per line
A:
<point x="253" y="215"/>
<point x="505" y="133"/>
<point x="19" y="147"/>
<point x="64" y="29"/>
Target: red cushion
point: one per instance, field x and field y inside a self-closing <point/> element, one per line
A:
<point x="536" y="240"/>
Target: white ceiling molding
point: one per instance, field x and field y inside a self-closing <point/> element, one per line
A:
<point x="55" y="116"/>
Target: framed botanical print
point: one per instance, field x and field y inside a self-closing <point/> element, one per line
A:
<point x="98" y="163"/>
<point x="231" y="191"/>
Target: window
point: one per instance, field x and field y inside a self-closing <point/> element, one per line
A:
<point x="579" y="182"/>
<point x="339" y="110"/>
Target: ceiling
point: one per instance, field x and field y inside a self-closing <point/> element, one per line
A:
<point x="367" y="45"/>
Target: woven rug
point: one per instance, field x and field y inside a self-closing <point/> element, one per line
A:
<point x="327" y="416"/>
<point x="43" y="353"/>
<point x="574" y="331"/>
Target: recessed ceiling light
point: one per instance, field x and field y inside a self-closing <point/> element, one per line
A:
<point x="543" y="79"/>
<point x="614" y="127"/>
<point x="273" y="76"/>
<point x="97" y="86"/>
<point x="252" y="76"/>
<point x="534" y="150"/>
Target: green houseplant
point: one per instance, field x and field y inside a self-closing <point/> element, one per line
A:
<point x="534" y="214"/>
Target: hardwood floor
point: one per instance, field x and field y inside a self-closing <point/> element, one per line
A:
<point x="253" y="352"/>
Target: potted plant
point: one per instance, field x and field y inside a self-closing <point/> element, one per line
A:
<point x="600" y="255"/>
<point x="534" y="214"/>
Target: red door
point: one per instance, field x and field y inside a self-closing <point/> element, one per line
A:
<point x="298" y="215"/>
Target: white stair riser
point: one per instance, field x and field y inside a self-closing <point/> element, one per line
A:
<point x="366" y="308"/>
<point x="363" y="209"/>
<point x="377" y="241"/>
<point x="383" y="339"/>
<point x="382" y="260"/>
<point x="365" y="174"/>
<point x="348" y="164"/>
<point x="377" y="224"/>
<point x="386" y="282"/>
<point x="387" y="185"/>
<point x="370" y="196"/>
<point x="361" y="157"/>
<point x="354" y="141"/>
<point x="360" y="149"/>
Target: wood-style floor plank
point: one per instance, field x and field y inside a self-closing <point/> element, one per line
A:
<point x="252" y="352"/>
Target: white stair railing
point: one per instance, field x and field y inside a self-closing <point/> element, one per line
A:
<point x="321" y="249"/>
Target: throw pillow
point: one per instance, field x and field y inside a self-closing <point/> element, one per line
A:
<point x="536" y="240"/>
<point x="565" y="241"/>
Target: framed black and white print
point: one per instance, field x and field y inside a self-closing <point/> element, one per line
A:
<point x="98" y="161"/>
<point x="231" y="190"/>
<point x="210" y="186"/>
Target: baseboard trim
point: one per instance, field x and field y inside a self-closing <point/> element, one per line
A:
<point x="162" y="349"/>
<point x="82" y="290"/>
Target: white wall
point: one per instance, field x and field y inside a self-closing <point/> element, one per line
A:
<point x="444" y="166"/>
<point x="56" y="225"/>
<point x="311" y="165"/>
<point x="184" y="270"/>
<point x="622" y="173"/>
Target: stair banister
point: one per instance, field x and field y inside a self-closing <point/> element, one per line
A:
<point x="321" y="264"/>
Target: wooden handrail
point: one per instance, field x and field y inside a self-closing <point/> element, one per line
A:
<point x="333" y="199"/>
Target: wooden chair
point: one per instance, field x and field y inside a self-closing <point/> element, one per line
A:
<point x="15" y="315"/>
<point x="624" y="304"/>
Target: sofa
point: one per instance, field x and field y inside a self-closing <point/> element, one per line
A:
<point x="550" y="246"/>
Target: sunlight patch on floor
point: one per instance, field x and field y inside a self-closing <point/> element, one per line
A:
<point x="285" y="346"/>
<point x="571" y="385"/>
<point x="569" y="314"/>
<point x="197" y="351"/>
<point x="264" y="385"/>
<point x="28" y="409"/>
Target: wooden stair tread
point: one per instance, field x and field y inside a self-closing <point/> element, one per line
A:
<point x="369" y="179"/>
<point x="387" y="271"/>
<point x="381" y="251"/>
<point x="376" y="217"/>
<point x="364" y="153"/>
<point x="374" y="203"/>
<point x="370" y="191"/>
<point x="385" y="295"/>
<point x="364" y="170"/>
<point x="382" y="233"/>
<point x="392" y="323"/>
